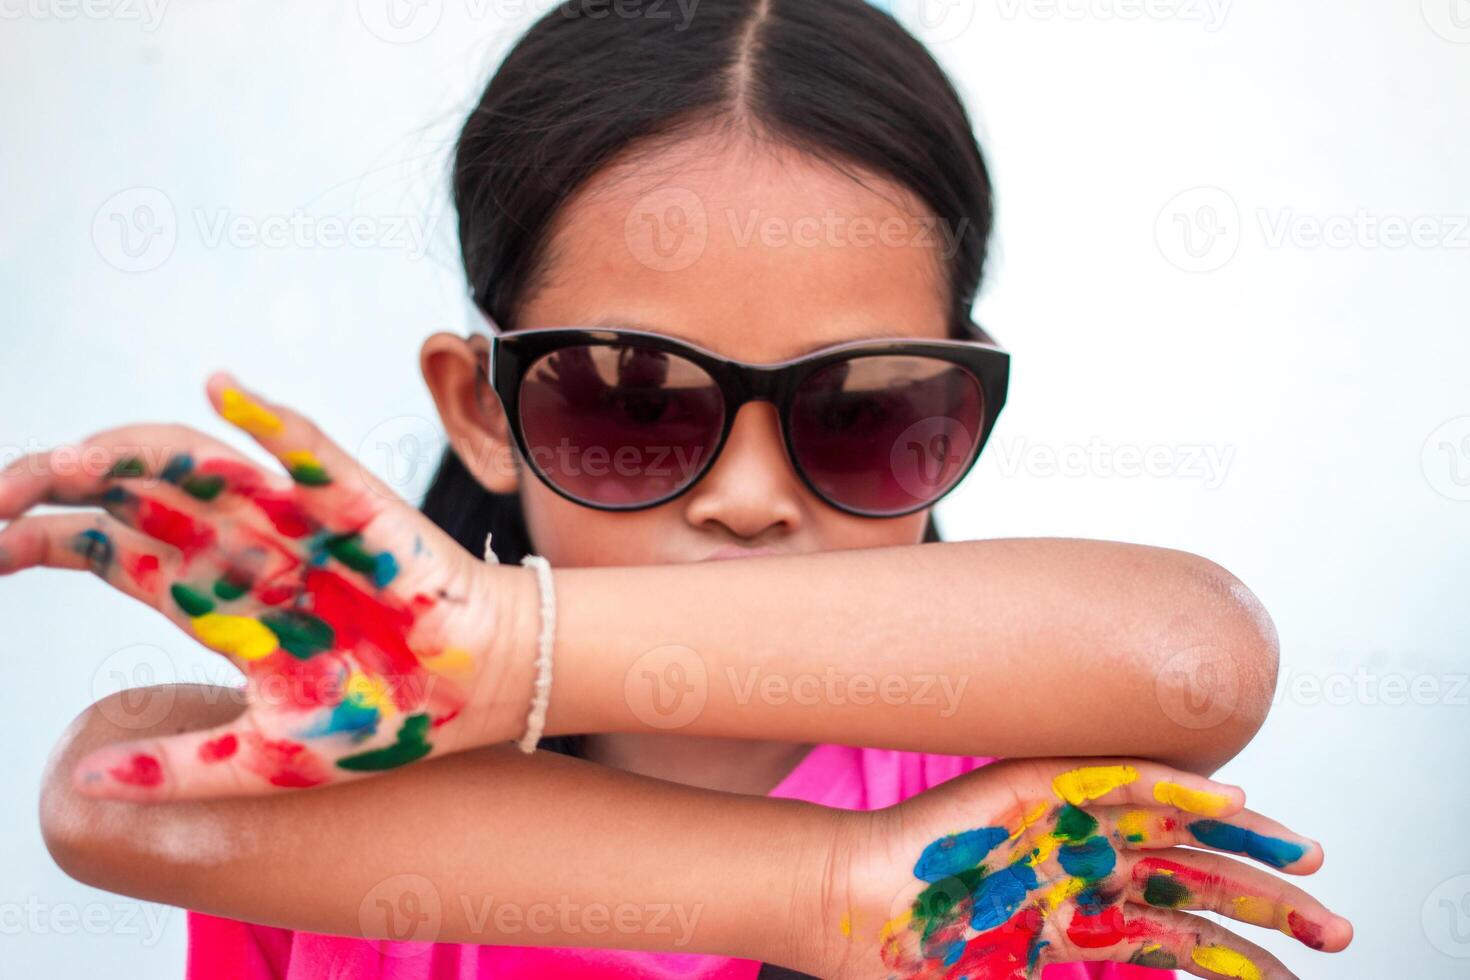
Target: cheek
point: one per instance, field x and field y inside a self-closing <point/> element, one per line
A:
<point x="574" y="536"/>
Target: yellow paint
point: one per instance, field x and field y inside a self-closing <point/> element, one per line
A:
<point x="1029" y="820"/>
<point x="370" y="693"/>
<point x="1083" y="785"/>
<point x="1191" y="800"/>
<point x="1063" y="891"/>
<point x="452" y="662"/>
<point x="240" y="409"/>
<point x="1135" y="823"/>
<point x="846" y="925"/>
<point x="1259" y="912"/>
<point x="301" y="457"/>
<point x="1226" y="962"/>
<point x="241" y="636"/>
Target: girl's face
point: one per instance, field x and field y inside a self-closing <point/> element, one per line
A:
<point x="796" y="256"/>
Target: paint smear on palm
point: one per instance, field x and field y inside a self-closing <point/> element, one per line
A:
<point x="1084" y="785"/>
<point x="1226" y="962"/>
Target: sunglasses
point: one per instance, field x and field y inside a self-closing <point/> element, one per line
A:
<point x="625" y="420"/>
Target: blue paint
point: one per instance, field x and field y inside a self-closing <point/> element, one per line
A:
<point x="1089" y="902"/>
<point x="178" y="467"/>
<point x="385" y="569"/>
<point x="958" y="852"/>
<point x="96" y="547"/>
<point x="998" y="896"/>
<point x="1274" y="851"/>
<point x="350" y="715"/>
<point x="953" y="952"/>
<point x="1092" y="859"/>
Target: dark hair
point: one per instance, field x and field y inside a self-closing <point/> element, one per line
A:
<point x="594" y="80"/>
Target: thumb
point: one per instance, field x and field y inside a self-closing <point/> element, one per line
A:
<point x="231" y="760"/>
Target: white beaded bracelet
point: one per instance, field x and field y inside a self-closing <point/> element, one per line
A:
<point x="541" y="695"/>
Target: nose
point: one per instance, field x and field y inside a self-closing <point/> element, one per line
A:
<point x="751" y="490"/>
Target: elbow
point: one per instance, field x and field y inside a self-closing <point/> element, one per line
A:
<point x="72" y="825"/>
<point x="1216" y="679"/>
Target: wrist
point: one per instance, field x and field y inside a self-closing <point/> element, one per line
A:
<point x="822" y="902"/>
<point x="507" y="655"/>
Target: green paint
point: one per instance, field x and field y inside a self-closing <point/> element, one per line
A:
<point x="1155" y="959"/>
<point x="300" y="633"/>
<point x="131" y="466"/>
<point x="412" y="744"/>
<point x="1165" y="891"/>
<point x="193" y="603"/>
<point x="1075" y="824"/>
<point x="96" y="548"/>
<point x="205" y="488"/>
<point x="231" y="587"/>
<point x="348" y="549"/>
<point x="310" y="475"/>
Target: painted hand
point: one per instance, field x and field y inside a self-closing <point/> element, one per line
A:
<point x="363" y="631"/>
<point x="1026" y="863"/>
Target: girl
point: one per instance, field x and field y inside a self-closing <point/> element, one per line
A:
<point x="726" y="265"/>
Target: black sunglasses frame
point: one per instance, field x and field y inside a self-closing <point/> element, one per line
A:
<point x="511" y="356"/>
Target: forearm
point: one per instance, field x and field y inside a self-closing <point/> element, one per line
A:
<point x="487" y="847"/>
<point x="1013" y="648"/>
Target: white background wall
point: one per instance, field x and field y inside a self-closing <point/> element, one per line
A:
<point x="1326" y="381"/>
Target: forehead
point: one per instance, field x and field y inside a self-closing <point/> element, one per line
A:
<point x="752" y="250"/>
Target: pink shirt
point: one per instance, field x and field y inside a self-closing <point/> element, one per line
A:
<point x="831" y="775"/>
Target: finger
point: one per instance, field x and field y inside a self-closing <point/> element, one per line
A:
<point x="1247" y="833"/>
<point x="76" y="473"/>
<point x="1158" y="938"/>
<point x="234" y="759"/>
<point x="1133" y="781"/>
<point x="340" y="492"/>
<point x="126" y="559"/>
<point x="1207" y="882"/>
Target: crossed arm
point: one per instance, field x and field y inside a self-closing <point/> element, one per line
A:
<point x="1054" y="647"/>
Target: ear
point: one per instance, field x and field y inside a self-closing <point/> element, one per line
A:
<point x="472" y="415"/>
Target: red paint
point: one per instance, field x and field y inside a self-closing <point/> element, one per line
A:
<point x="368" y="627"/>
<point x="1170" y="823"/>
<point x="219" y="749"/>
<point x="1305" y="930"/>
<point x="280" y="507"/>
<point x="288" y="683"/>
<point x="143" y="570"/>
<point x="422" y="603"/>
<point x="1001" y="953"/>
<point x="1108" y="928"/>
<point x="1200" y="883"/>
<point x="173" y="527"/>
<point x="275" y="595"/>
<point x="284" y="763"/>
<point x="141" y="770"/>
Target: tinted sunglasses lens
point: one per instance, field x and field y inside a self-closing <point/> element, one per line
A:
<point x="886" y="434"/>
<point x="622" y="425"/>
